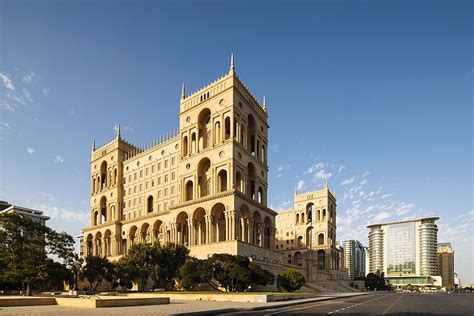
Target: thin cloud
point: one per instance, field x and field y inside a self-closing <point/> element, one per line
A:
<point x="58" y="159"/>
<point x="30" y="77"/>
<point x="300" y="186"/>
<point x="46" y="91"/>
<point x="348" y="181"/>
<point x="315" y="167"/>
<point x="7" y="82"/>
<point x="27" y="94"/>
<point x="30" y="151"/>
<point x="322" y="175"/>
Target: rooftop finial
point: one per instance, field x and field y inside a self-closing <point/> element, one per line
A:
<point x="232" y="67"/>
<point x="93" y="144"/>
<point x="326" y="184"/>
<point x="118" y="136"/>
<point x="264" y="103"/>
<point x="183" y="92"/>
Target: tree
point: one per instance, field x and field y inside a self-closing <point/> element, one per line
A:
<point x="96" y="270"/>
<point x="291" y="280"/>
<point x="169" y="259"/>
<point x="193" y="273"/>
<point x="376" y="281"/>
<point x="25" y="248"/>
<point x="233" y="273"/>
<point x="138" y="263"/>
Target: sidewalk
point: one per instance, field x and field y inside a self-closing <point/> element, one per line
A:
<point x="174" y="308"/>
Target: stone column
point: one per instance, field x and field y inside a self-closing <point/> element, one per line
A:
<point x="191" y="232"/>
<point x="208" y="219"/>
<point x="250" y="231"/>
<point x="272" y="238"/>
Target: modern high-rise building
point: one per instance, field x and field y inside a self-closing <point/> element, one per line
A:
<point x="34" y="215"/>
<point x="446" y="263"/>
<point x="354" y="258"/>
<point x="406" y="251"/>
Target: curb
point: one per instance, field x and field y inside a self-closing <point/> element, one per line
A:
<point x="257" y="308"/>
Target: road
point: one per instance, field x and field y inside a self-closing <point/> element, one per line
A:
<point x="382" y="304"/>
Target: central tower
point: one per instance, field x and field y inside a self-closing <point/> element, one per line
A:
<point x="223" y="168"/>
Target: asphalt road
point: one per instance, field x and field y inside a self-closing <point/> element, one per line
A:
<point x="382" y="304"/>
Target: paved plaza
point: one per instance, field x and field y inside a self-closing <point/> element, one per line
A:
<point x="174" y="308"/>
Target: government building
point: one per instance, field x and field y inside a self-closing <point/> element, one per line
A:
<point x="205" y="185"/>
<point x="405" y="251"/>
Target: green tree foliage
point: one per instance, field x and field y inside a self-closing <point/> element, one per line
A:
<point x="233" y="273"/>
<point x="195" y="272"/>
<point x="376" y="282"/>
<point x="291" y="280"/>
<point x="159" y="263"/>
<point x="96" y="270"/>
<point x="169" y="260"/>
<point x="24" y="249"/>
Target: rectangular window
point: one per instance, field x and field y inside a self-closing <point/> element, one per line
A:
<point x="141" y="187"/>
<point x="173" y="176"/>
<point x="146" y="185"/>
<point x="166" y="163"/>
<point x="146" y="171"/>
<point x="159" y="166"/>
<point x="152" y="169"/>
<point x="159" y="180"/>
<point x="152" y="183"/>
<point x="130" y="178"/>
<point x="141" y="173"/>
<point x="166" y="178"/>
<point x="159" y="207"/>
<point x="166" y="192"/>
<point x="172" y="190"/>
<point x="159" y="193"/>
<point x="135" y="189"/>
<point x="135" y="176"/>
<point x="173" y="160"/>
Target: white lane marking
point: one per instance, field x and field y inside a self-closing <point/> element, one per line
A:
<point x="388" y="308"/>
<point x="365" y="302"/>
<point x="320" y="303"/>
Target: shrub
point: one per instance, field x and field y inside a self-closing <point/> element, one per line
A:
<point x="291" y="280"/>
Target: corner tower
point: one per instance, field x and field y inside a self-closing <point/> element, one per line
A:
<point x="106" y="195"/>
<point x="223" y="169"/>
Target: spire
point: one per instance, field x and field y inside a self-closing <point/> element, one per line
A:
<point x="326" y="184"/>
<point x="232" y="67"/>
<point x="264" y="105"/>
<point x="118" y="136"/>
<point x="183" y="92"/>
<point x="93" y="144"/>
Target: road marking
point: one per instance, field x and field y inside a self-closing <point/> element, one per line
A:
<point x="388" y="308"/>
<point x="320" y="303"/>
<point x="363" y="302"/>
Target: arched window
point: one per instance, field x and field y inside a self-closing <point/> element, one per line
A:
<point x="302" y="218"/>
<point x="321" y="239"/>
<point x="222" y="181"/>
<point x="227" y="128"/>
<point x="189" y="190"/>
<point x="103" y="175"/>
<point x="260" y="195"/>
<point x="242" y="134"/>
<point x="185" y="145"/>
<point x="193" y="143"/>
<point x="149" y="203"/>
<point x="96" y="218"/>
<point x="217" y="130"/>
<point x="251" y="134"/>
<point x="297" y="218"/>
<point x="324" y="214"/>
<point x="204" y="125"/>
<point x="264" y="158"/>
<point x="321" y="260"/>
<point x="238" y="181"/>
<point x="204" y="177"/>
<point x="251" y="180"/>
<point x="103" y="210"/>
<point x="309" y="212"/>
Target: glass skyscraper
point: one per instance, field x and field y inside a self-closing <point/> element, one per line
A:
<point x="406" y="251"/>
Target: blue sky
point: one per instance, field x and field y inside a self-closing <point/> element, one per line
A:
<point x="374" y="96"/>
